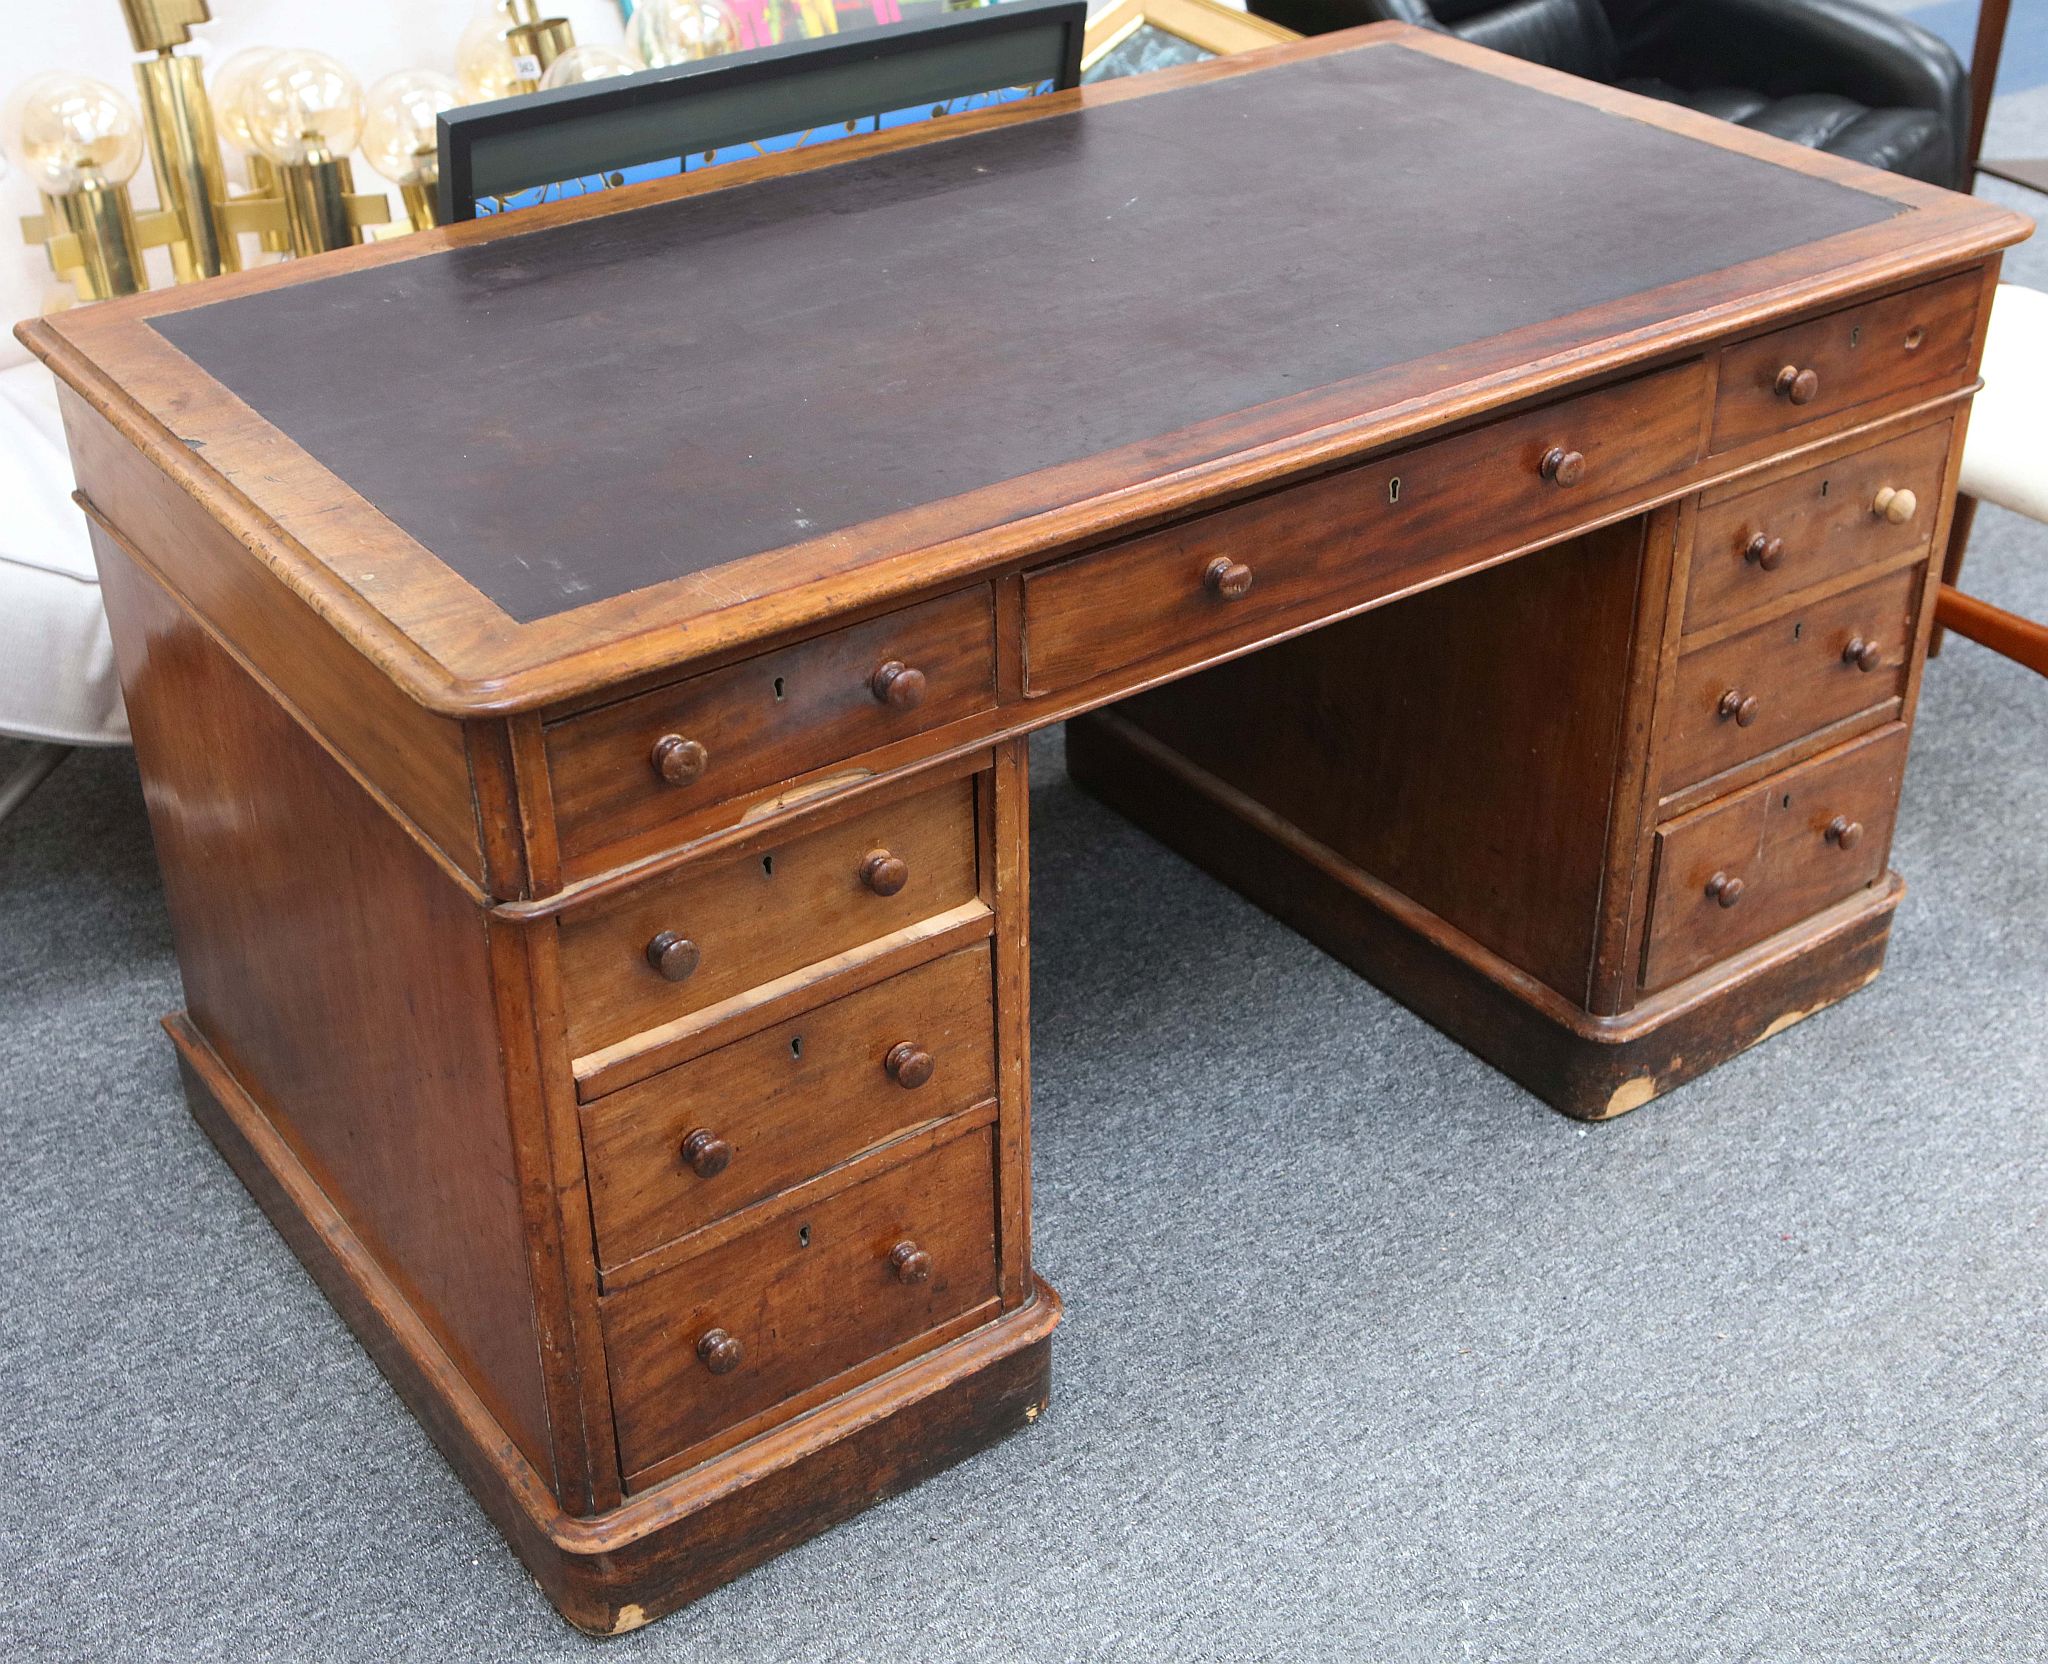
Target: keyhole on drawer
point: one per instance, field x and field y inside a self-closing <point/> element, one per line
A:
<point x="1394" y="489"/>
<point x="778" y="688"/>
<point x="1786" y="801"/>
<point x="803" y="1236"/>
<point x="1798" y="630"/>
<point x="1823" y="488"/>
<point x="796" y="1046"/>
<point x="1856" y="337"/>
<point x="768" y="866"/>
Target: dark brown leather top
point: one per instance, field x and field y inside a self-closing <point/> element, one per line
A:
<point x="576" y="413"/>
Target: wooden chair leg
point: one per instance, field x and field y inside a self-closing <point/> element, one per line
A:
<point x="2019" y="639"/>
<point x="1952" y="562"/>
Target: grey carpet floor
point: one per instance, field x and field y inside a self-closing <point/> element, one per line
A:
<point x="1756" y="1373"/>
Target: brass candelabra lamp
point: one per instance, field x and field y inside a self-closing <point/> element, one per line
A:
<point x="80" y="143"/>
<point x="293" y="117"/>
<point x="296" y="114"/>
<point x="184" y="152"/>
<point x="299" y="114"/>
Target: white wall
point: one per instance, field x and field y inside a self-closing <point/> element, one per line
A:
<point x="372" y="37"/>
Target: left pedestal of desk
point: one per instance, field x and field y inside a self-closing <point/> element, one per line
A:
<point x="367" y="1039"/>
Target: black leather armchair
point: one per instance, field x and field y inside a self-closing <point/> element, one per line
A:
<point x="1835" y="75"/>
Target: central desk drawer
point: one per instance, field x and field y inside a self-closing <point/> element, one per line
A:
<point x="716" y="928"/>
<point x="795" y="1302"/>
<point x="1367" y="533"/>
<point x="1790" y="676"/>
<point x="1792" y="846"/>
<point x="626" y="769"/>
<point x="714" y="1135"/>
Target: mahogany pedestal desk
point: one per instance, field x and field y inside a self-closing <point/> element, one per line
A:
<point x="580" y="664"/>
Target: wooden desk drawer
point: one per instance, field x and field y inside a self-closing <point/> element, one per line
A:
<point x="1754" y="547"/>
<point x="1786" y="677"/>
<point x="1906" y="343"/>
<point x="733" y="922"/>
<point x="803" y="1298"/>
<point x="1348" y="538"/>
<point x="787" y="1103"/>
<point x="766" y="720"/>
<point x="1795" y="844"/>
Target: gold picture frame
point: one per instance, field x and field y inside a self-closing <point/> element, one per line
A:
<point x="1212" y="29"/>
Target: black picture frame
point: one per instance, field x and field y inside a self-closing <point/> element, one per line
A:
<point x="517" y="144"/>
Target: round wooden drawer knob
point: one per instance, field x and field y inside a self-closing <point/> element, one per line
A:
<point x="884" y="873"/>
<point x="898" y="686"/>
<point x="909" y="1066"/>
<point x="674" y="955"/>
<point x="720" y="1352"/>
<point x="1864" y="655"/>
<point x="1743" y="707"/>
<point x="910" y="1263"/>
<point x="1725" y="888"/>
<point x="706" y="1154"/>
<point x="1844" y="832"/>
<point x="679" y="761"/>
<point x="1227" y="578"/>
<point x="1767" y="552"/>
<point x="1896" y="505"/>
<point x="1562" y="467"/>
<point x="1800" y="386"/>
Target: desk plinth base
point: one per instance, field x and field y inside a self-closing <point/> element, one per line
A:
<point x="1589" y="1067"/>
<point x="667" y="1545"/>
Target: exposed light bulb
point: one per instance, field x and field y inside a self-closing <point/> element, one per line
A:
<point x="681" y="31"/>
<point x="231" y="83"/>
<point x="68" y="131"/>
<point x="401" y="130"/>
<point x="587" y="63"/>
<point x="301" y="107"/>
<point x="489" y="63"/>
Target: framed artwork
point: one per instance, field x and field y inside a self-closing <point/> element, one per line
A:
<point x="572" y="141"/>
<point x="1134" y="36"/>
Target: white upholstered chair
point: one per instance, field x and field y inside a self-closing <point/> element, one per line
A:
<point x="2005" y="461"/>
<point x="57" y="683"/>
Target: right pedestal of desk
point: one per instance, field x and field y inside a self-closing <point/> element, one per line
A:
<point x="1608" y="813"/>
